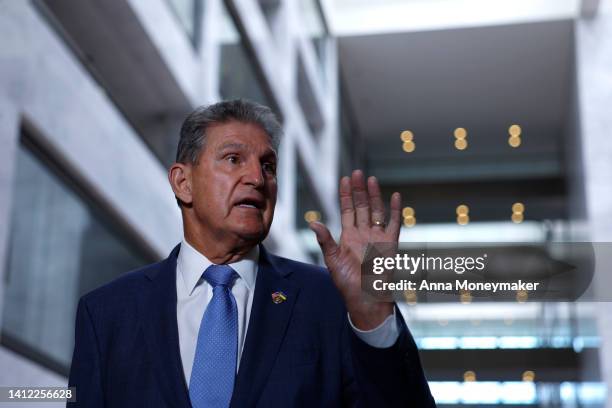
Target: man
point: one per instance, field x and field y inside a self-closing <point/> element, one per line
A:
<point x="223" y="322"/>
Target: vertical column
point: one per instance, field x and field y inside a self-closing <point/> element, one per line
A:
<point x="594" y="66"/>
<point x="209" y="50"/>
<point x="13" y="65"/>
<point x="331" y="140"/>
<point x="9" y="137"/>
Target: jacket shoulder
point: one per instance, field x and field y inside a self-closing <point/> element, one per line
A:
<point x="127" y="285"/>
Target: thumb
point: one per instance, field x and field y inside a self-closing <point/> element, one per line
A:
<point x="324" y="237"/>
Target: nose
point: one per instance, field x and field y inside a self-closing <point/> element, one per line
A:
<point x="253" y="174"/>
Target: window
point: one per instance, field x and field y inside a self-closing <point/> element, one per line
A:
<point x="61" y="247"/>
<point x="308" y="207"/>
<point x="352" y="152"/>
<point x="314" y="24"/>
<point x="270" y="9"/>
<point x="189" y="14"/>
<point x="308" y="101"/>
<point x="238" y="75"/>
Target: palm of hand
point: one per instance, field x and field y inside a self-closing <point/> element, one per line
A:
<point x="363" y="215"/>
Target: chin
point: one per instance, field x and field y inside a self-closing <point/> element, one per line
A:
<point x="253" y="234"/>
<point x="249" y="228"/>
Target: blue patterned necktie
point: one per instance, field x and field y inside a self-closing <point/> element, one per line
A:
<point x="214" y="364"/>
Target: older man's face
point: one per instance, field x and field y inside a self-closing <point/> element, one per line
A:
<point x="234" y="183"/>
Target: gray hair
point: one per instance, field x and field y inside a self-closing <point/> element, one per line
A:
<point x="193" y="131"/>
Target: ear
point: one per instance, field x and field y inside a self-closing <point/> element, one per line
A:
<point x="179" y="176"/>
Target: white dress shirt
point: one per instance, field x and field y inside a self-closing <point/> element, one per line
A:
<point x="193" y="294"/>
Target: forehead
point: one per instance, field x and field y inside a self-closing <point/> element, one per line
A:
<point x="234" y="133"/>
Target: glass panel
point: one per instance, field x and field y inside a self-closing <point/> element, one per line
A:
<point x="270" y="10"/>
<point x="308" y="208"/>
<point x="308" y="205"/>
<point x="352" y="144"/>
<point x="312" y="19"/>
<point x="59" y="249"/>
<point x="188" y="13"/>
<point x="238" y="76"/>
<point x="308" y="101"/>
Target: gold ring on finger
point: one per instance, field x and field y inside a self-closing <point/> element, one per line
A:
<point x="379" y="223"/>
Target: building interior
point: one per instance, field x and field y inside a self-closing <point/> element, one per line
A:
<point x="490" y="118"/>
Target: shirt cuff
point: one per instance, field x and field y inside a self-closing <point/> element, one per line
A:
<point x="383" y="336"/>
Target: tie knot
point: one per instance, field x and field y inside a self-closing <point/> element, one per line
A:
<point x="217" y="275"/>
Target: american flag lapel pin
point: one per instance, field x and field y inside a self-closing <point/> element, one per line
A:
<point x="278" y="297"/>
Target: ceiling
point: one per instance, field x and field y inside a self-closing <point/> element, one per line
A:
<point x="354" y="17"/>
<point x="483" y="79"/>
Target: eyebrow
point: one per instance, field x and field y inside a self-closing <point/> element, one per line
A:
<point x="242" y="146"/>
<point x="232" y="145"/>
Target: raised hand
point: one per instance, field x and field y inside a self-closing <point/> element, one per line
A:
<point x="363" y="222"/>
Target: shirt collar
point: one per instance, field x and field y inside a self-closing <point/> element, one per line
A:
<point x="192" y="264"/>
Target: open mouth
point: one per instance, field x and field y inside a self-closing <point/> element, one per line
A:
<point x="250" y="203"/>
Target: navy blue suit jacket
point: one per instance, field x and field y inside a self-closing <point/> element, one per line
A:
<point x="298" y="353"/>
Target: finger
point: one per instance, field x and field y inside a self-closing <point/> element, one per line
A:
<point x="346" y="203"/>
<point x="324" y="238"/>
<point x="376" y="202"/>
<point x="395" y="216"/>
<point x="360" y="200"/>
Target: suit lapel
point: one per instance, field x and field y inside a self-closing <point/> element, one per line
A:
<point x="266" y="331"/>
<point x="162" y="331"/>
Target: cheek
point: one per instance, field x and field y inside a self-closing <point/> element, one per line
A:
<point x="272" y="192"/>
<point x="215" y="191"/>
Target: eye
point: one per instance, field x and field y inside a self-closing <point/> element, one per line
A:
<point x="269" y="167"/>
<point x="233" y="158"/>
